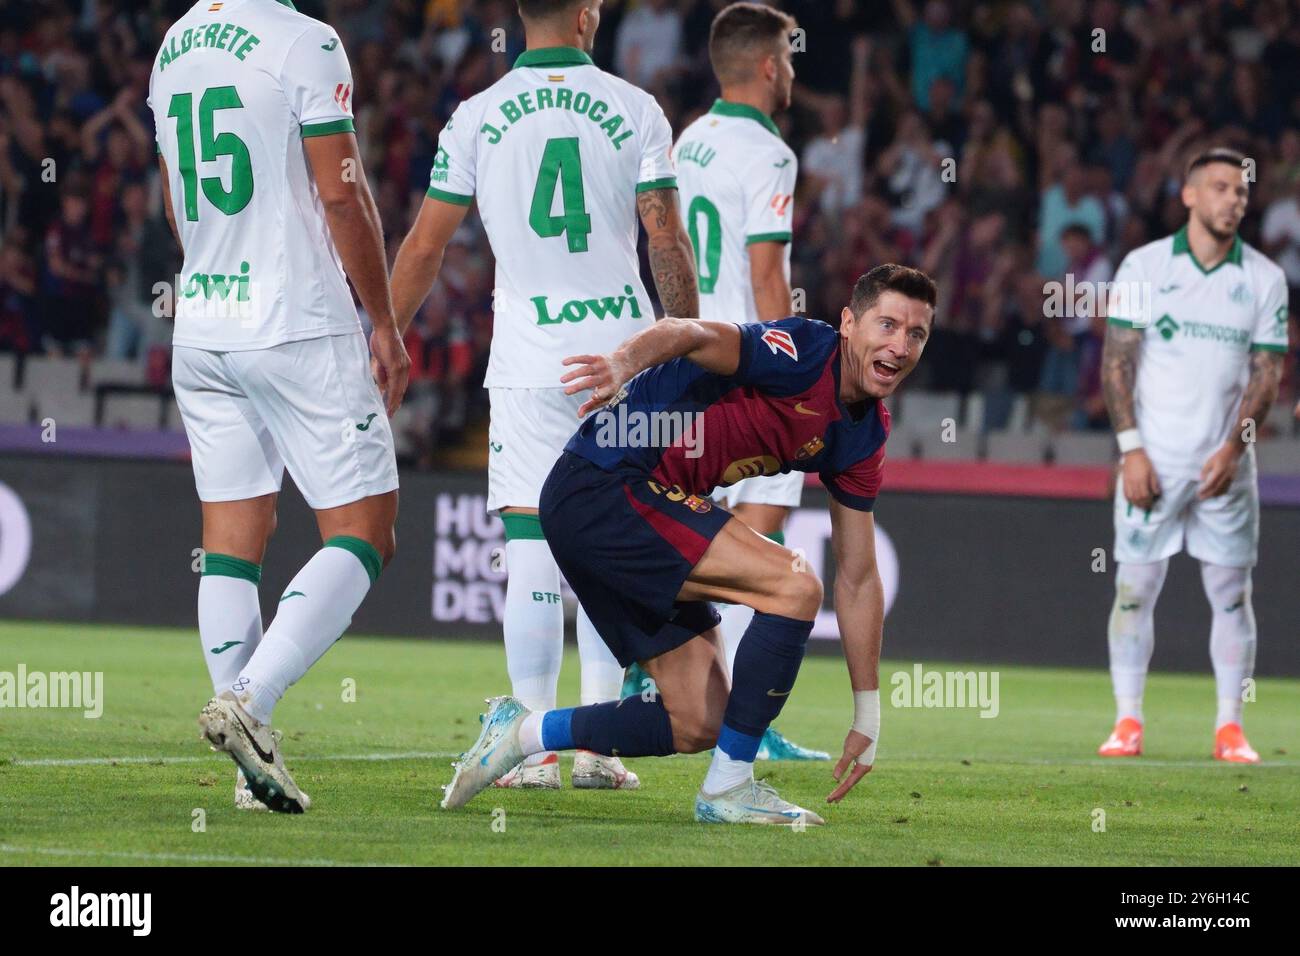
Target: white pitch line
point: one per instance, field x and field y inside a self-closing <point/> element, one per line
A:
<point x="978" y="759"/>
<point x="109" y="761"/>
<point x="180" y="857"/>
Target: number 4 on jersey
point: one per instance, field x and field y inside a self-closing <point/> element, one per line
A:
<point x="562" y="165"/>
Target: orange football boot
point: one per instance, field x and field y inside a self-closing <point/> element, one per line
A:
<point x="1231" y="744"/>
<point x="1124" y="741"/>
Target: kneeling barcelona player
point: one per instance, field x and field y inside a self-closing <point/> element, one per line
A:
<point x="688" y="406"/>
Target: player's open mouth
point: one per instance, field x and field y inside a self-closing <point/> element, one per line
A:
<point x="886" y="371"/>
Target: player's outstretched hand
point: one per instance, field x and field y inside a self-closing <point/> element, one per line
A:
<point x="603" y="374"/>
<point x="1141" y="485"/>
<point x="1217" y="473"/>
<point x="855" y="744"/>
<point x="390" y="366"/>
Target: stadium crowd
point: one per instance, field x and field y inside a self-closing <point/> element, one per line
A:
<point x="998" y="144"/>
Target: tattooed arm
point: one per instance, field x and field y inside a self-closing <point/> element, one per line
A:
<point x="1119" y="362"/>
<point x="671" y="258"/>
<point x="1256" y="400"/>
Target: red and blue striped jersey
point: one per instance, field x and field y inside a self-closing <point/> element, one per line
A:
<point x="779" y="412"/>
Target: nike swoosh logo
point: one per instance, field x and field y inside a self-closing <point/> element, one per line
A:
<point x="1129" y="607"/>
<point x="362" y="426"/>
<point x="224" y="647"/>
<point x="292" y="594"/>
<point x="1234" y="607"/>
<point x="782" y="164"/>
<point x="1169" y="288"/>
<point x="798" y="407"/>
<point x="268" y="758"/>
<point x="328" y="47"/>
<point x="773" y="692"/>
<point x="495" y="446"/>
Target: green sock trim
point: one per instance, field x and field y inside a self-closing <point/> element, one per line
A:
<point x="364" y="550"/>
<point x="227" y="566"/>
<point x="777" y="536"/>
<point x="520" y="527"/>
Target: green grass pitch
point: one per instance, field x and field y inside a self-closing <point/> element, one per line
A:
<point x="949" y="788"/>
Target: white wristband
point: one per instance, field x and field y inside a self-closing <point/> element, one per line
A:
<point x="1129" y="439"/>
<point x="866" y="720"/>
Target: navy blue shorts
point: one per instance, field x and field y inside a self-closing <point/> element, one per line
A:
<point x="626" y="544"/>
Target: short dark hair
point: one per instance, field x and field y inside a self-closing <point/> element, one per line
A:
<point x="892" y="277"/>
<point x="742" y="32"/>
<point x="541" y="9"/>
<point x="1218" y="154"/>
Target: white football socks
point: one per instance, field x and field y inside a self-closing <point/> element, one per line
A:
<point x="1232" y="636"/>
<point x="602" y="675"/>
<point x="1131" y="633"/>
<point x="726" y="773"/>
<point x="534" y="617"/>
<point x="230" y="620"/>
<point x="314" y="611"/>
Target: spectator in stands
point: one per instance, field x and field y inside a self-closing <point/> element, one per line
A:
<point x="649" y="44"/>
<point x="19" y="331"/>
<point x="1065" y="201"/>
<point x="1281" y="235"/>
<point x="832" y="162"/>
<point x="71" y="283"/>
<point x="144" y="257"/>
<point x="937" y="49"/>
<point x="914" y="166"/>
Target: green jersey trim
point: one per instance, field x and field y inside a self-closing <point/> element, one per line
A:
<point x="289" y="4"/>
<point x="456" y="199"/>
<point x="744" y="111"/>
<point x="1267" y="347"/>
<point x="363" y="550"/>
<point x="1182" y="246"/>
<point x="327" y="129"/>
<point x="553" y="56"/>
<point x="669" y="182"/>
<point x="769" y="237"/>
<point x="1122" y="323"/>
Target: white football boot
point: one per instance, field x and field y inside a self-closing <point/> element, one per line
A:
<point x="244" y="799"/>
<point x="496" y="752"/>
<point x="754" y="801"/>
<point x="255" y="749"/>
<point x="592" y="771"/>
<point x="543" y="775"/>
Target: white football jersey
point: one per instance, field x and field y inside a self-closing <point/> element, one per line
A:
<point x="1199" y="328"/>
<point x="556" y="152"/>
<point x="736" y="177"/>
<point x="235" y="88"/>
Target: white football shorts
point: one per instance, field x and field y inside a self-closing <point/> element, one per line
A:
<point x="311" y="405"/>
<point x="1222" y="530"/>
<point x="783" y="490"/>
<point x="528" y="429"/>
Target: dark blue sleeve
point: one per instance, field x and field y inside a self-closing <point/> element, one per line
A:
<point x="784" y="357"/>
